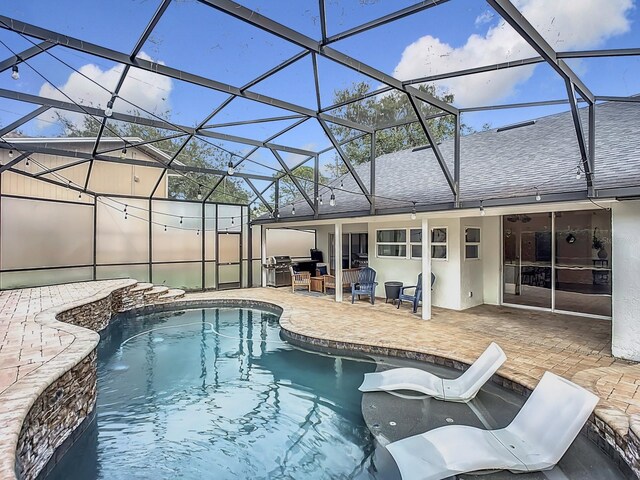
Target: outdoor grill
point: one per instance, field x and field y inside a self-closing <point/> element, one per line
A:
<point x="278" y="274"/>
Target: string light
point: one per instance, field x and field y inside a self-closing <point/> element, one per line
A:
<point x="578" y="173"/>
<point x="293" y="210"/>
<point x="180" y="220"/>
<point x="320" y="200"/>
<point x="15" y="74"/>
<point x="341" y="183"/>
<point x="230" y="169"/>
<point x="10" y="153"/>
<point x="198" y="232"/>
<point x="538" y="196"/>
<point x="109" y="110"/>
<point x="165" y="228"/>
<point x="27" y="162"/>
<point x="332" y="199"/>
<point x="413" y="211"/>
<point x="232" y="221"/>
<point x="123" y="154"/>
<point x="199" y="195"/>
<point x="482" y="211"/>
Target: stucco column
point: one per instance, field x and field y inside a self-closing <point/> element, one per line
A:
<point x="263" y="254"/>
<point x="625" y="257"/>
<point x="426" y="270"/>
<point x="337" y="251"/>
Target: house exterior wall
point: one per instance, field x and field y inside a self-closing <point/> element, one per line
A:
<point x="471" y="270"/>
<point x="491" y="249"/>
<point x="107" y="178"/>
<point x="626" y="280"/>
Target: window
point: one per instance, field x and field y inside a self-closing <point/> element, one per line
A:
<point x="415" y="238"/>
<point x="439" y="243"/>
<point x="396" y="243"/>
<point x="471" y="243"/>
<point x="391" y="243"/>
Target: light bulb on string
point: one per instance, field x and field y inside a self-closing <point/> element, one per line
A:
<point x="293" y="210"/>
<point x="123" y="154"/>
<point x="80" y="195"/>
<point x="180" y="220"/>
<point x="578" y="173"/>
<point x="341" y="183"/>
<point x="538" y="196"/>
<point x="165" y="228"/>
<point x="198" y="232"/>
<point x="199" y="195"/>
<point x="109" y="110"/>
<point x="320" y="200"/>
<point x="15" y="73"/>
<point x="332" y="199"/>
<point x="230" y="168"/>
<point x="482" y="211"/>
<point x="233" y="222"/>
<point x="413" y="211"/>
<point x="10" y="153"/>
<point x="27" y="162"/>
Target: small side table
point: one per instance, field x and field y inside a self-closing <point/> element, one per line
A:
<point x="392" y="291"/>
<point x="317" y="284"/>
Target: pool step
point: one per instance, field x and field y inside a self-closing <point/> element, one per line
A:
<point x="141" y="287"/>
<point x="134" y="298"/>
<point x="171" y="295"/>
<point x="151" y="296"/>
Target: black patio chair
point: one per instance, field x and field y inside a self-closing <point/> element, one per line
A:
<point x="366" y="285"/>
<point x="417" y="294"/>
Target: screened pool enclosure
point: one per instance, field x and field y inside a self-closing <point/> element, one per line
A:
<point x="152" y="139"/>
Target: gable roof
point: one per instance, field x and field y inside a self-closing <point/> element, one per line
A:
<point x="498" y="164"/>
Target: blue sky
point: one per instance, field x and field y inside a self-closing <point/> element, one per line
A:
<point x="190" y="36"/>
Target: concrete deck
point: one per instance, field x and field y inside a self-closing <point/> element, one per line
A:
<point x="574" y="347"/>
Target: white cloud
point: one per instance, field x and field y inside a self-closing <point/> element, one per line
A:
<point x="484" y="17"/>
<point x="565" y="25"/>
<point x="148" y="91"/>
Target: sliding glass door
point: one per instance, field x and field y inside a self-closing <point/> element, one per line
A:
<point x="527" y="260"/>
<point x="583" y="262"/>
<point x="559" y="262"/>
<point x="355" y="250"/>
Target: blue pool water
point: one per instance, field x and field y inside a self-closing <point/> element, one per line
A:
<point x="216" y="394"/>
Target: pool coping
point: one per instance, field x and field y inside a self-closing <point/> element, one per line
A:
<point x="624" y="447"/>
<point x="17" y="400"/>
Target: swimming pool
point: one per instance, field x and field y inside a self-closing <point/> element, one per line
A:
<point x="215" y="393"/>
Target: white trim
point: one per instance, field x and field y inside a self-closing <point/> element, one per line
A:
<point x="477" y="244"/>
<point x="444" y="244"/>
<point x="406" y="243"/>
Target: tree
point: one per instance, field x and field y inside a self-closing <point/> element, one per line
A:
<point x="197" y="153"/>
<point x="379" y="112"/>
<point x="289" y="192"/>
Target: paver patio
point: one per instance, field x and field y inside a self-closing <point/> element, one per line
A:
<point x="575" y="347"/>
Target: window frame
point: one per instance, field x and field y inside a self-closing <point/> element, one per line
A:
<point x="444" y="244"/>
<point x="476" y="244"/>
<point x="405" y="243"/>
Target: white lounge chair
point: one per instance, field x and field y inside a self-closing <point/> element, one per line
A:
<point x="536" y="439"/>
<point x="461" y="389"/>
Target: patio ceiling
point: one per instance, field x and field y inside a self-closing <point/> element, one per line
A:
<point x="307" y="50"/>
